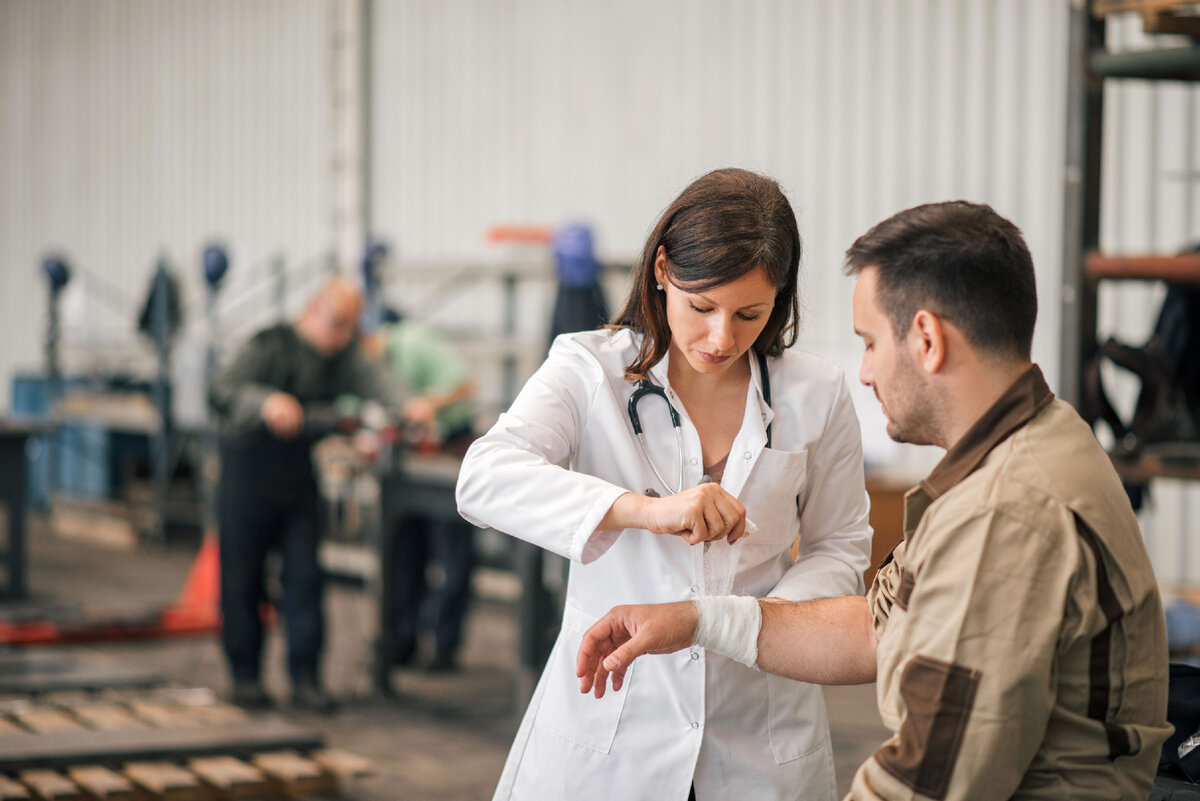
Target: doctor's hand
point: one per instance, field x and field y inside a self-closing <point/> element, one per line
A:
<point x="627" y="632"/>
<point x="700" y="514"/>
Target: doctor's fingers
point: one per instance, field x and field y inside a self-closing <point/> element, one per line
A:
<point x="733" y="515"/>
<point x="724" y="518"/>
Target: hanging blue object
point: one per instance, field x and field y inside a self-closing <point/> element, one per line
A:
<point x="574" y="257"/>
<point x="57" y="272"/>
<point x="216" y="264"/>
<point x="374" y="253"/>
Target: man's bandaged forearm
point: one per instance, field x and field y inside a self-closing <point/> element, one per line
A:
<point x="729" y="625"/>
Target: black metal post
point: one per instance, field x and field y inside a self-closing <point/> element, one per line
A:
<point x="1081" y="193"/>
<point x="160" y="328"/>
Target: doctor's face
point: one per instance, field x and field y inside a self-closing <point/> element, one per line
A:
<point x="890" y="369"/>
<point x="712" y="329"/>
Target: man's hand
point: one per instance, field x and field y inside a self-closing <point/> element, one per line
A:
<point x="283" y="415"/>
<point x="420" y="410"/>
<point x="626" y="633"/>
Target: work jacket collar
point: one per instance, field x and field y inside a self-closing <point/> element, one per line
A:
<point x="1027" y="396"/>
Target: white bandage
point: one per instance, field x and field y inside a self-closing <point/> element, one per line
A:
<point x="729" y="625"/>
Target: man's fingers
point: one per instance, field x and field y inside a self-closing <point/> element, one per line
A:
<point x="601" y="681"/>
<point x="618" y="679"/>
<point x="620" y="659"/>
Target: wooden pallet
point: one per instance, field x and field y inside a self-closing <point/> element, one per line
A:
<point x="170" y="744"/>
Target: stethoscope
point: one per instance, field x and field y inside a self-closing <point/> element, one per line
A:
<point x="646" y="387"/>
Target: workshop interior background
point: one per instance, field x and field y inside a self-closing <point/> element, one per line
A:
<point x="297" y="134"/>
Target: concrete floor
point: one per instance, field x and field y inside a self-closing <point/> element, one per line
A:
<point x="440" y="737"/>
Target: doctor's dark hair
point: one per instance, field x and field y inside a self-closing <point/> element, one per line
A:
<point x="961" y="261"/>
<point x="721" y="227"/>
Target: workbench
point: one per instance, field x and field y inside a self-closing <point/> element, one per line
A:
<point x="419" y="484"/>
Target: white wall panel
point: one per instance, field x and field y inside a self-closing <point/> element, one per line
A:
<point x="133" y="128"/>
<point x="543" y="111"/>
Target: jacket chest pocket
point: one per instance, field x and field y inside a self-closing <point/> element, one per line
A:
<point x="772" y="494"/>
<point x="582" y="719"/>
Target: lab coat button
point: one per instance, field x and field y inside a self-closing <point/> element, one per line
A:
<point x="693" y="460"/>
<point x="695" y="588"/>
<point x="695" y="655"/>
<point x="695" y="724"/>
<point x="746" y="455"/>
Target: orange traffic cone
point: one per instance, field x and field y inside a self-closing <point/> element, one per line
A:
<point x="197" y="607"/>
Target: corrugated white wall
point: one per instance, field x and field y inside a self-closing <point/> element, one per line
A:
<point x="134" y="127"/>
<point x="540" y="111"/>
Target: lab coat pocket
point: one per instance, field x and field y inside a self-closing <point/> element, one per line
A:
<point x="771" y="496"/>
<point x="582" y="719"/>
<point x="796" y="718"/>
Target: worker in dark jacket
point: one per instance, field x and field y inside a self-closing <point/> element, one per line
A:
<point x="267" y="402"/>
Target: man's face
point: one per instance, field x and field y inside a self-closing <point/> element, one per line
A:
<point x="889" y="367"/>
<point x="333" y="320"/>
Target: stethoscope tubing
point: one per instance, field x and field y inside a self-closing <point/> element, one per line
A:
<point x="647" y="387"/>
<point x="644" y="388"/>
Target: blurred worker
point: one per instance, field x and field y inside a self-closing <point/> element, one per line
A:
<point x="439" y="417"/>
<point x="1017" y="632"/>
<point x="267" y="401"/>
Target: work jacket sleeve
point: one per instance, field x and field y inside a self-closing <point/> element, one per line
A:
<point x="835" y="537"/>
<point x="512" y="478"/>
<point x="236" y="395"/>
<point x="966" y="659"/>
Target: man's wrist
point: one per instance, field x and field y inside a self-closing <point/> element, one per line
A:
<point x="729" y="625"/>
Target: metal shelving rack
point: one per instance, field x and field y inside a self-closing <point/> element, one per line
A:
<point x="1084" y="266"/>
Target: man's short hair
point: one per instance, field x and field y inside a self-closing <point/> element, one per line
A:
<point x="961" y="261"/>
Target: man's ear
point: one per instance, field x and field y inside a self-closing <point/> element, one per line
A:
<point x="927" y="337"/>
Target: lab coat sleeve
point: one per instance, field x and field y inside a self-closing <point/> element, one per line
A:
<point x="975" y="661"/>
<point x="511" y="478"/>
<point x="835" y="537"/>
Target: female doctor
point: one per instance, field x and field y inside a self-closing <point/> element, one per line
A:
<point x="734" y="428"/>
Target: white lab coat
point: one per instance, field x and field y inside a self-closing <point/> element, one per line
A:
<point x="689" y="715"/>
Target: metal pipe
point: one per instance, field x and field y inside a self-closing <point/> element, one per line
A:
<point x="1168" y="63"/>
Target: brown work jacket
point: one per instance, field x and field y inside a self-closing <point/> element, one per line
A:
<point x="1021" y="646"/>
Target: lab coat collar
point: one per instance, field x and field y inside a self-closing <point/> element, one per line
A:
<point x="659" y="372"/>
<point x="767" y="410"/>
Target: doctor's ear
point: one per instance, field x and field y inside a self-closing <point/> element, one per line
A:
<point x="660" y="267"/>
<point x="927" y="338"/>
